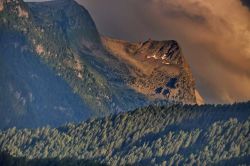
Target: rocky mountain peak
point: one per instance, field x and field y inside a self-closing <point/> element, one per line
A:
<point x="167" y="51"/>
<point x="159" y="68"/>
<point x="69" y="17"/>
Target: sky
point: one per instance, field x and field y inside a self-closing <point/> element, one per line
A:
<point x="214" y="36"/>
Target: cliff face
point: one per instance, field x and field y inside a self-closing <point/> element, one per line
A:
<point x="56" y="68"/>
<point x="159" y="69"/>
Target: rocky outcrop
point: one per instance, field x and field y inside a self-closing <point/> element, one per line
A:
<point x="15" y="7"/>
<point x="159" y="69"/>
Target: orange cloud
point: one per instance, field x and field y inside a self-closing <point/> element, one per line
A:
<point x="214" y="35"/>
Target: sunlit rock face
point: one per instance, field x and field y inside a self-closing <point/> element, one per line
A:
<point x="158" y="68"/>
<point x="1" y="6"/>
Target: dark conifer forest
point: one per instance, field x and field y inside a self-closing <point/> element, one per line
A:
<point x="155" y="135"/>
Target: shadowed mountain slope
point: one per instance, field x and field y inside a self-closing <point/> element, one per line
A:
<point x="67" y="68"/>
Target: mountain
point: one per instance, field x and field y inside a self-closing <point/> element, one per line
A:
<point x="165" y="135"/>
<point x="159" y="68"/>
<point x="56" y="67"/>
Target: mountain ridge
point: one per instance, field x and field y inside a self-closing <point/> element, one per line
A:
<point x="64" y="38"/>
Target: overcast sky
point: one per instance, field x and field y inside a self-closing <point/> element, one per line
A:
<point x="214" y="36"/>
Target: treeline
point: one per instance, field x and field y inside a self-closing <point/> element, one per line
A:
<point x="8" y="160"/>
<point x="155" y="135"/>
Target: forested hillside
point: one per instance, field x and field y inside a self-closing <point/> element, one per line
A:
<point x="155" y="135"/>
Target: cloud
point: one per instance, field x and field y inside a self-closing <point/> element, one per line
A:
<point x="246" y="3"/>
<point x="214" y="35"/>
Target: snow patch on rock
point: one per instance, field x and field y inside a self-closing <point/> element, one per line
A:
<point x="22" y="12"/>
<point x="1" y="5"/>
<point x="39" y="49"/>
<point x="153" y="56"/>
<point x="199" y="99"/>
